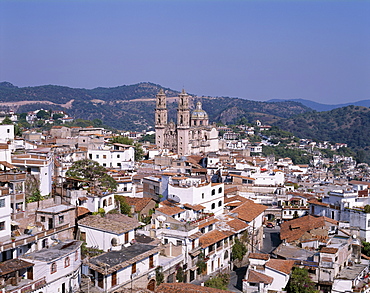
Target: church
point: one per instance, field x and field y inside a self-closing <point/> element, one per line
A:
<point x="191" y="135"/>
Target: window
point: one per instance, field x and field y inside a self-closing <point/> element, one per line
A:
<point x="8" y="130"/>
<point x="2" y="202"/>
<point x="61" y="219"/>
<point x="220" y="190"/>
<point x="133" y="268"/>
<point x="67" y="262"/>
<point x="53" y="268"/>
<point x="2" y="225"/>
<point x="226" y="255"/>
<point x="110" y="201"/>
<point x="90" y="156"/>
<point x="76" y="255"/>
<point x="104" y="156"/>
<point x="151" y="261"/>
<point x="165" y="241"/>
<point x="220" y="203"/>
<point x="97" y="156"/>
<point x="213" y="192"/>
<point x="213" y="206"/>
<point x="126" y="237"/>
<point x="118" y="156"/>
<point x="104" y="165"/>
<point x="178" y="242"/>
<point x="202" y="195"/>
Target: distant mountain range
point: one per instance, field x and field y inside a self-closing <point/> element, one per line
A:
<point x="322" y="107"/>
<point x="131" y="107"/>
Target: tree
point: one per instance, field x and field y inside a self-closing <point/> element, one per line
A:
<point x="91" y="171"/>
<point x="122" y="140"/>
<point x="300" y="282"/>
<point x="159" y="276"/>
<point x="125" y="208"/>
<point x="219" y="281"/>
<point x="365" y="249"/>
<point x="239" y="250"/>
<point x="42" y="114"/>
<point x="201" y="264"/>
<point x="180" y="274"/>
<point x="7" y="121"/>
<point x="139" y="153"/>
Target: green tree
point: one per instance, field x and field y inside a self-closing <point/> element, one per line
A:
<point x="201" y="264"/>
<point x="365" y="249"/>
<point x="300" y="282"/>
<point x="122" y="140"/>
<point x="219" y="281"/>
<point x="91" y="171"/>
<point x="180" y="274"/>
<point x="159" y="276"/>
<point x="139" y="153"/>
<point x="125" y="208"/>
<point x="239" y="250"/>
<point x="36" y="196"/>
<point x="7" y="121"/>
<point x="148" y="137"/>
<point x="42" y="114"/>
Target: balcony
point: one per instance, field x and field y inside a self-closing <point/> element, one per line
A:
<point x="26" y="285"/>
<point x="8" y="177"/>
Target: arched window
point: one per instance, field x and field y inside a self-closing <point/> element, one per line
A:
<point x="76" y="255"/>
<point x="220" y="203"/>
<point x="213" y="206"/>
<point x="110" y="201"/>
<point x="104" y="203"/>
<point x="226" y="255"/>
<point x="213" y="191"/>
<point x="53" y="268"/>
<point x="67" y="262"/>
<point x="220" y="190"/>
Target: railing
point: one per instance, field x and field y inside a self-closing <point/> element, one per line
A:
<point x="5" y="177"/>
<point x="31" y="238"/>
<point x="28" y="287"/>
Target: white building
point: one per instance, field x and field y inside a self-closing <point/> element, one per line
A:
<point x="59" y="266"/>
<point x="5" y="214"/>
<point x="119" y="157"/>
<point x="109" y="233"/>
<point x="194" y="191"/>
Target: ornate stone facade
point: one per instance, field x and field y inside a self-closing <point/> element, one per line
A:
<point x="191" y="135"/>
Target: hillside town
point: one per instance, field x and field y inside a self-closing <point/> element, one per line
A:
<point x="81" y="212"/>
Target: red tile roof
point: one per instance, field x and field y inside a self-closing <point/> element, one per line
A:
<point x="256" y="255"/>
<point x="170" y="211"/>
<point x="330" y="250"/>
<point x="185" y="288"/>
<point x="249" y="210"/>
<point x="257" y="277"/>
<point x="213" y="237"/>
<point x="281" y="265"/>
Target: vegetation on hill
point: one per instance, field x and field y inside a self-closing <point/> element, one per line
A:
<point x="348" y="125"/>
<point x="131" y="107"/>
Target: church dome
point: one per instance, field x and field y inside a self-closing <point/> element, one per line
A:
<point x="199" y="113"/>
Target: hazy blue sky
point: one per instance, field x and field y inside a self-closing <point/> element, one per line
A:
<point x="259" y="50"/>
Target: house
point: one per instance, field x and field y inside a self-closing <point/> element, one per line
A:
<point x="130" y="267"/>
<point x="265" y="274"/>
<point x="140" y="207"/>
<point x="59" y="266"/>
<point x="306" y="228"/>
<point x="108" y="233"/>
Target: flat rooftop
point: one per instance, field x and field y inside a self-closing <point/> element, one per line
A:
<point x="54" y="251"/>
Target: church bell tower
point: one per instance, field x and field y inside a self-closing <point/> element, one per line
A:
<point x="160" y="118"/>
<point x="183" y="124"/>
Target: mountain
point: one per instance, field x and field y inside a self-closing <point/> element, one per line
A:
<point x="350" y="124"/>
<point x="322" y="107"/>
<point x="131" y="107"/>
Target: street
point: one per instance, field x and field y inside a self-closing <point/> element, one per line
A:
<point x="271" y="240"/>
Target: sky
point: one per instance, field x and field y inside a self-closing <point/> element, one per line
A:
<point x="257" y="50"/>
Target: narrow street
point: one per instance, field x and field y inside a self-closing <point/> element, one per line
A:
<point x="271" y="240"/>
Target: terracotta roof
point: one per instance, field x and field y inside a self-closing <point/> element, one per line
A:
<point x="196" y="208"/>
<point x="294" y="229"/>
<point x="281" y="265"/>
<point x="205" y="224"/>
<point x="249" y="210"/>
<point x="319" y="203"/>
<point x="106" y="224"/>
<point x="82" y="211"/>
<point x="257" y="277"/>
<point x="213" y="237"/>
<point x="256" y="255"/>
<point x="237" y="224"/>
<point x="185" y="288"/>
<point x="139" y="202"/>
<point x="13" y="265"/>
<point x="330" y="250"/>
<point x="170" y="211"/>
